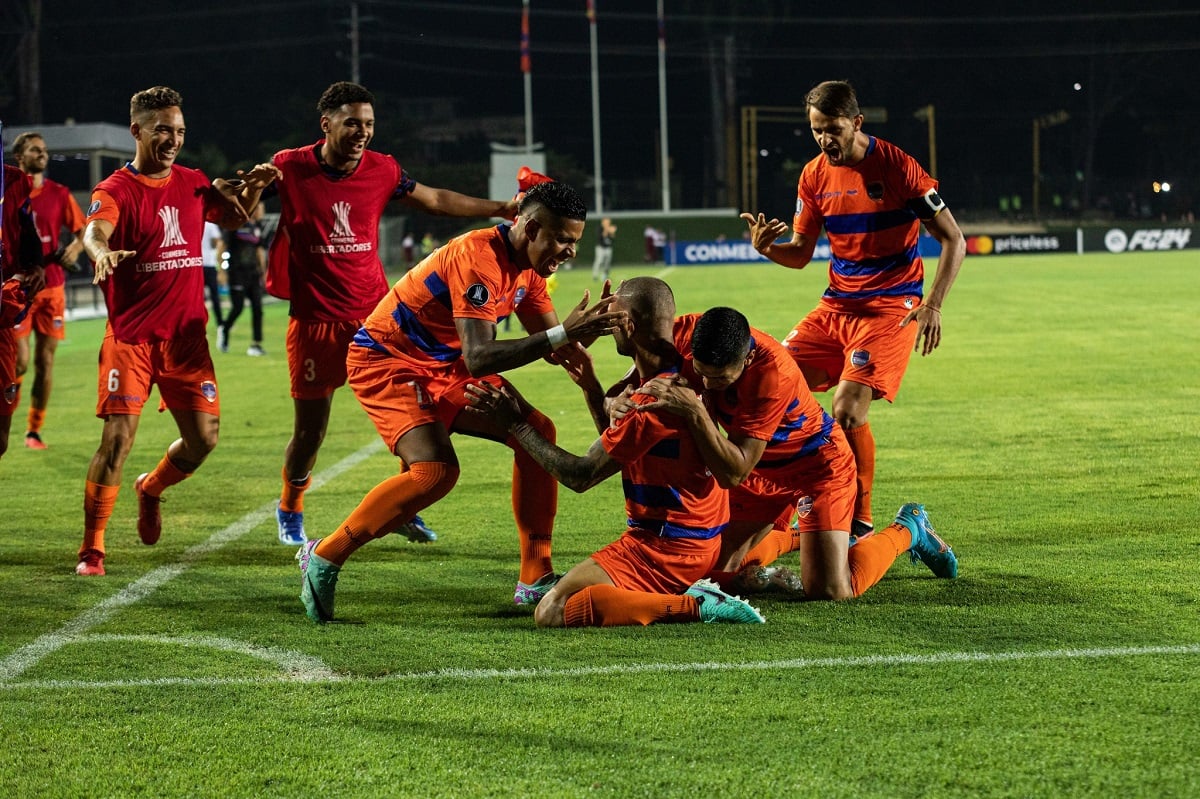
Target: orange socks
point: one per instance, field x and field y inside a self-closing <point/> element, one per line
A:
<point x="98" y="502"/>
<point x="163" y="476"/>
<point x="37" y="418"/>
<point x="609" y="606"/>
<point x="862" y="444"/>
<point x="776" y="543"/>
<point x="388" y="505"/>
<point x="535" y="504"/>
<point x="291" y="498"/>
<point x="871" y="557"/>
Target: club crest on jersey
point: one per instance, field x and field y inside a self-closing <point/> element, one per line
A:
<point x="520" y="295"/>
<point x="804" y="506"/>
<point x="860" y="358"/>
<point x="172" y="235"/>
<point x="341" y="222"/>
<point x="209" y="389"/>
<point x="94" y="207"/>
<point x="908" y="303"/>
<point x="477" y="295"/>
<point x="799" y="206"/>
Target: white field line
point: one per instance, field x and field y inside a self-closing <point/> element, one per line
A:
<point x="22" y="659"/>
<point x="464" y="675"/>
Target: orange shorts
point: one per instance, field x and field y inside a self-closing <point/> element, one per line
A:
<point x="317" y="356"/>
<point x="820" y="488"/>
<point x="398" y="398"/>
<point x="182" y="369"/>
<point x="8" y="371"/>
<point x="46" y="314"/>
<point x="867" y="348"/>
<point x="642" y="561"/>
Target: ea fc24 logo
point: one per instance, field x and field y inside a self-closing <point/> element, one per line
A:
<point x="1117" y="240"/>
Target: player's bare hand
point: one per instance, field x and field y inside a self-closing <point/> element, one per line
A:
<point x="585" y="324"/>
<point x="764" y="232"/>
<point x="622" y="404"/>
<point x="33" y="281"/>
<point x="260" y="176"/>
<point x="107" y="263"/>
<point x="577" y="362"/>
<point x="672" y="394"/>
<point x="497" y="404"/>
<point x="929" y="327"/>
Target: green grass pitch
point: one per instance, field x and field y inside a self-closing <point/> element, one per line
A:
<point x="1053" y="438"/>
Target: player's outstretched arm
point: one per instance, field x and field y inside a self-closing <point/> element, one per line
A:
<point x="578" y="473"/>
<point x="95" y="241"/>
<point x="443" y="202"/>
<point x="765" y="234"/>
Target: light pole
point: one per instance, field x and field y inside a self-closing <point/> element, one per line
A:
<point x="1044" y="121"/>
<point x="925" y="114"/>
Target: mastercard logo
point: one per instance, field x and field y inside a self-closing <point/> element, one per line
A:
<point x="980" y="245"/>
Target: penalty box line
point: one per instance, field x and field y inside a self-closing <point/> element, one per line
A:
<point x="26" y="657"/>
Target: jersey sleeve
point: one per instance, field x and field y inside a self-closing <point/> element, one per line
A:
<point x="762" y="402"/>
<point x="632" y="436"/>
<point x="920" y="189"/>
<point x="806" y="220"/>
<point x="473" y="277"/>
<point x="404" y="186"/>
<point x="103" y="208"/>
<point x="72" y="214"/>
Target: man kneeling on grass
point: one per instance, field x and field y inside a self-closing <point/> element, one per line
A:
<point x="676" y="510"/>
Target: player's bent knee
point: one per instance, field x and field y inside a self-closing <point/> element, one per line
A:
<point x="549" y="612"/>
<point x="436" y="479"/>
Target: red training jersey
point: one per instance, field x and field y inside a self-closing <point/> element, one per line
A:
<point x="159" y="293"/>
<point x="770" y="402"/>
<point x="872" y="213"/>
<point x="472" y="276"/>
<point x="667" y="488"/>
<point x="329" y="232"/>
<point x="17" y="186"/>
<point x="54" y="209"/>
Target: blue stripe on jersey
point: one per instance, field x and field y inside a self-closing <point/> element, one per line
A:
<point x="873" y="266"/>
<point x="810" y="447"/>
<point x="421" y="337"/>
<point x="903" y="290"/>
<point x="363" y="339"/>
<point x="438" y="288"/>
<point x="858" y="224"/>
<point x="786" y="428"/>
<point x="668" y="530"/>
<point x="652" y="496"/>
<point x="668" y="448"/>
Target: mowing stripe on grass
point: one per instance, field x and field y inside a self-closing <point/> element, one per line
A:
<point x="463" y="675"/>
<point x="25" y="657"/>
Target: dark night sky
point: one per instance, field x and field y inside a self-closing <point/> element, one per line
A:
<point x="250" y="74"/>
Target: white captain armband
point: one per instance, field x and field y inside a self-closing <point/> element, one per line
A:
<point x="557" y="336"/>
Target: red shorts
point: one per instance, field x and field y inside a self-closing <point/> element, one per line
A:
<point x="820" y="488"/>
<point x="643" y="561"/>
<point x="182" y="369"/>
<point x="8" y="371"/>
<point x="46" y="314"/>
<point x="398" y="398"/>
<point x="864" y="347"/>
<point x="317" y="356"/>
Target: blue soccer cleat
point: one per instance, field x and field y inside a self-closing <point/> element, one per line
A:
<point x="927" y="547"/>
<point x="291" y="526"/>
<point x="417" y="531"/>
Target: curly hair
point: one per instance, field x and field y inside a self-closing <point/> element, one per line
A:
<point x="153" y="99"/>
<point x="343" y="93"/>
<point x="557" y="198"/>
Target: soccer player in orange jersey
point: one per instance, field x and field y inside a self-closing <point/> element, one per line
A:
<point x="21" y="278"/>
<point x="325" y="259"/>
<point x="780" y="453"/>
<point x="429" y="336"/>
<point x="144" y="230"/>
<point x="675" y="508"/>
<point x="54" y="209"/>
<point x="871" y="198"/>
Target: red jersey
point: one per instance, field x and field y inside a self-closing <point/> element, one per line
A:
<point x="159" y="293"/>
<point x="473" y="276"/>
<point x="770" y="402"/>
<point x="667" y="488"/>
<point x="871" y="212"/>
<point x="17" y="186"/>
<point x="327" y="244"/>
<point x="54" y="209"/>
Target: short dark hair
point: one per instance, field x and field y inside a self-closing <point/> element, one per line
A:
<point x="721" y="337"/>
<point x="153" y="99"/>
<point x="833" y="98"/>
<point x="343" y="93"/>
<point x="557" y="198"/>
<point x="647" y="299"/>
<point x="19" y="143"/>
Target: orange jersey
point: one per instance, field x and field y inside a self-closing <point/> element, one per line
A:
<point x="872" y="213"/>
<point x="473" y="276"/>
<point x="770" y="401"/>
<point x="668" y="490"/>
<point x="54" y="209"/>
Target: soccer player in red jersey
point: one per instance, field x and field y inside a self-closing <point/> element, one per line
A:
<point x="675" y="508"/>
<point x="780" y="453"/>
<point x="872" y="199"/>
<point x="54" y="210"/>
<point x="21" y="277"/>
<point x="144" y="229"/>
<point x="429" y="336"/>
<point x="325" y="259"/>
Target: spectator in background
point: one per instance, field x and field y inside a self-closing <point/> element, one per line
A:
<point x="247" y="263"/>
<point x="210" y="247"/>
<point x="54" y="210"/>
<point x="604" y="249"/>
<point x="409" y="244"/>
<point x="22" y="276"/>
